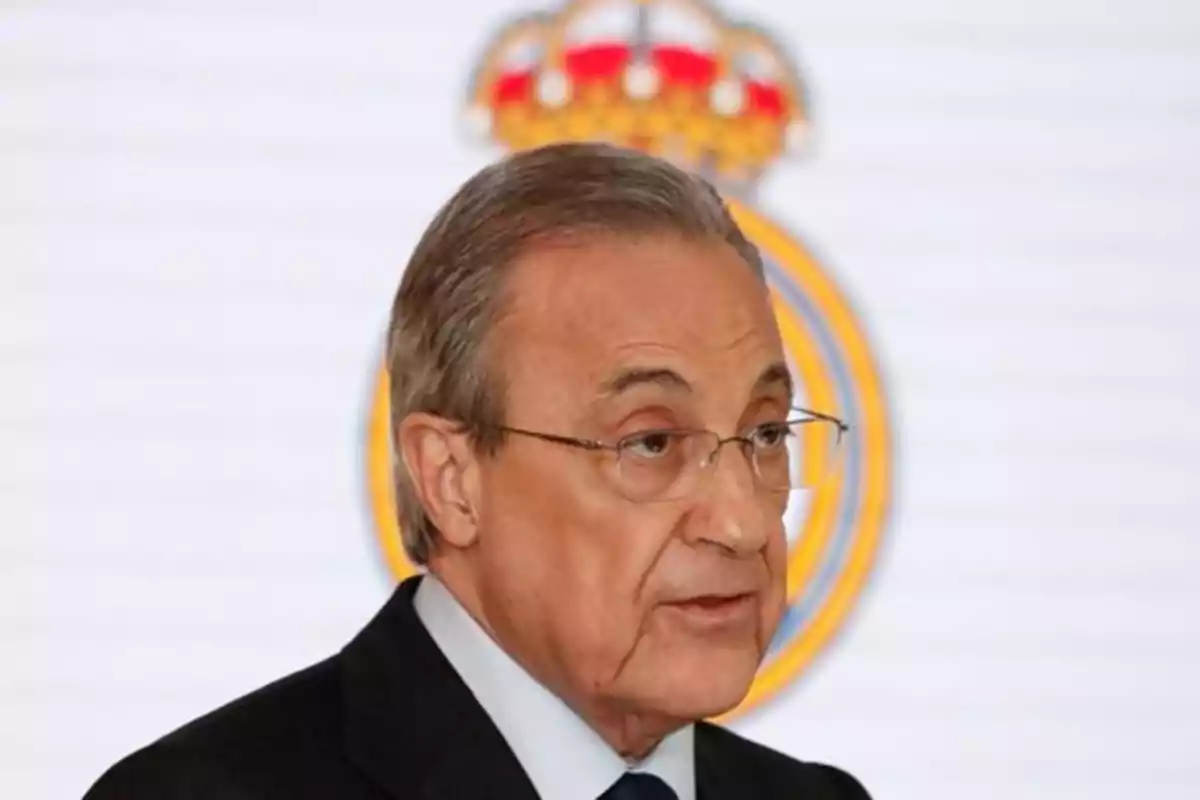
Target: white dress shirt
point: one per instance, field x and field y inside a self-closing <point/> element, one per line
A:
<point x="564" y="758"/>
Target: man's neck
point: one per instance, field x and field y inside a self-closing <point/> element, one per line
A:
<point x="634" y="736"/>
<point x="529" y="712"/>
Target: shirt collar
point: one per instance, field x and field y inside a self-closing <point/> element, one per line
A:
<point x="564" y="758"/>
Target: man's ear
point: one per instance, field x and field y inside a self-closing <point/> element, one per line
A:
<point x="442" y="466"/>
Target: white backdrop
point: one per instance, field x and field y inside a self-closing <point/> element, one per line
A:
<point x="204" y="209"/>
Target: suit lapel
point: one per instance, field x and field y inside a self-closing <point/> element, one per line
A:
<point x="481" y="769"/>
<point x="715" y="777"/>
<point x="411" y="724"/>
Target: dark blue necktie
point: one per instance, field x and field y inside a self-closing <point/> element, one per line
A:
<point x="639" y="786"/>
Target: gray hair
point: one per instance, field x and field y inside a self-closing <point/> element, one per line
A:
<point x="451" y="294"/>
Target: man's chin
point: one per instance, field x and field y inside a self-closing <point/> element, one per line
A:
<point x="695" y="689"/>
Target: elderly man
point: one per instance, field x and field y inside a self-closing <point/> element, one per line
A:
<point x="592" y="420"/>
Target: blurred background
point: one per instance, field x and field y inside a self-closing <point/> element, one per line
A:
<point x="205" y="208"/>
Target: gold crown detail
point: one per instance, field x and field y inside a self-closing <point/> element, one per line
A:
<point x="670" y="77"/>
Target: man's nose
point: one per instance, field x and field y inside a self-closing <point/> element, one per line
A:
<point x="728" y="509"/>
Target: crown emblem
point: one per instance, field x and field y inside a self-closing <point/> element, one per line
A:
<point x="670" y="77"/>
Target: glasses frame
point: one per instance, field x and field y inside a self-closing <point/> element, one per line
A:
<point x="598" y="445"/>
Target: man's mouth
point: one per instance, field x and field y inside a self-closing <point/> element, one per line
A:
<point x="717" y="611"/>
<point x="715" y="601"/>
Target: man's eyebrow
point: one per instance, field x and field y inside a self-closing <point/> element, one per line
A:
<point x="639" y="376"/>
<point x="775" y="375"/>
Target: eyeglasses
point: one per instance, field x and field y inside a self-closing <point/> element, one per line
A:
<point x="670" y="463"/>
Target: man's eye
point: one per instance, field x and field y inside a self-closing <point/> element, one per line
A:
<point x="653" y="444"/>
<point x="770" y="436"/>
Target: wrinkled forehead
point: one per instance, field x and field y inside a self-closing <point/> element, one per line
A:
<point x="653" y="282"/>
<point x="579" y="317"/>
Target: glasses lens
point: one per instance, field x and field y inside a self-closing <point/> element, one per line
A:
<point x="798" y="456"/>
<point x="659" y="465"/>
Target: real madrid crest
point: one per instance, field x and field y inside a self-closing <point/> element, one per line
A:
<point x="674" y="78"/>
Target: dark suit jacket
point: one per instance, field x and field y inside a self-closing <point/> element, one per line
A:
<point x="388" y="718"/>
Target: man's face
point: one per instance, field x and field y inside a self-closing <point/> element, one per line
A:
<point x="660" y="607"/>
